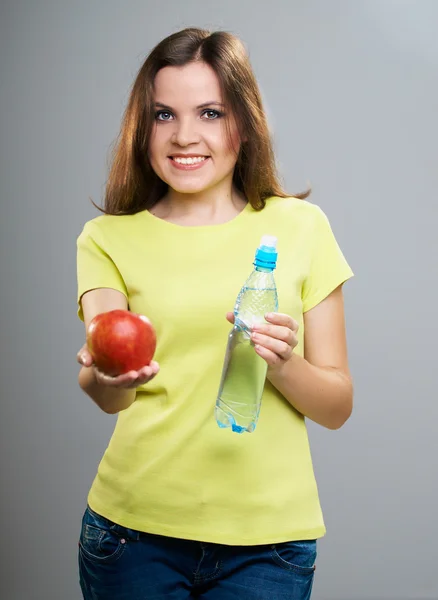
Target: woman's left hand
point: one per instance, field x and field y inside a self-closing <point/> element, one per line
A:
<point x="275" y="340"/>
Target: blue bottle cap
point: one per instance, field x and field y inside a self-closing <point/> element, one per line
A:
<point x="266" y="253"/>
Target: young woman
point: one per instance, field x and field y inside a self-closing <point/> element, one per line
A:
<point x="180" y="508"/>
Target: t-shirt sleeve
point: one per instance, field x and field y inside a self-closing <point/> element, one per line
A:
<point x="328" y="267"/>
<point x="95" y="267"/>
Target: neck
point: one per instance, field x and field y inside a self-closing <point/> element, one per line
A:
<point x="206" y="207"/>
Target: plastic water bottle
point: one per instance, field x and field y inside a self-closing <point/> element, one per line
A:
<point x="244" y="371"/>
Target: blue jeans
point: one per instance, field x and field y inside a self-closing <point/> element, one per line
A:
<point x="116" y="563"/>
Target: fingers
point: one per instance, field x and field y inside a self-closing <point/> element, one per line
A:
<point x="276" y="337"/>
<point x="275" y="340"/>
<point x="279" y="319"/>
<point x="147" y="373"/>
<point x="278" y="332"/>
<point x="282" y="319"/>
<point x="84" y="357"/>
<point x="117" y="382"/>
<point x="130" y="380"/>
<point x="272" y="358"/>
<point x="277" y="346"/>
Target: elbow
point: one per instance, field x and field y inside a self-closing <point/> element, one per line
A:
<point x="108" y="410"/>
<point x="113" y="406"/>
<point x="343" y="410"/>
<point x="339" y="419"/>
<point x="111" y="410"/>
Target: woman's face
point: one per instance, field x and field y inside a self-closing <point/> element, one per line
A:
<point x="190" y="145"/>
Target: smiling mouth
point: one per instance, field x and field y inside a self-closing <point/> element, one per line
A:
<point x="189" y="160"/>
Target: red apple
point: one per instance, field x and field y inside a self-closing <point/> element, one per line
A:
<point x="120" y="341"/>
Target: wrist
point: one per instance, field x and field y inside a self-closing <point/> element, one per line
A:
<point x="279" y="371"/>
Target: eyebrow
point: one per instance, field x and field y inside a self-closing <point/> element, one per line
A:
<point x="204" y="105"/>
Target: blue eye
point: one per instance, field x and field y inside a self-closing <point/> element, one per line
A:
<point x="212" y="114"/>
<point x="163" y="115"/>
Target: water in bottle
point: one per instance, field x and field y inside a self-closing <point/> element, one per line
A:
<point x="244" y="371"/>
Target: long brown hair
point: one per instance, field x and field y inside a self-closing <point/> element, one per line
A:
<point x="132" y="184"/>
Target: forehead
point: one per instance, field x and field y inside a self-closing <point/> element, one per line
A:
<point x="191" y="84"/>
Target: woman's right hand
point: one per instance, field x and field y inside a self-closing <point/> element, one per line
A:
<point x="130" y="380"/>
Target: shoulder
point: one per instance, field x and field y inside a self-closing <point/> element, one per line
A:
<point x="291" y="208"/>
<point x="104" y="226"/>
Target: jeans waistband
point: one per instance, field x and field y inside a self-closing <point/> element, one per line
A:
<point x="132" y="534"/>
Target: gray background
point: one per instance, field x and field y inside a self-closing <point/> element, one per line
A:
<point x="352" y="94"/>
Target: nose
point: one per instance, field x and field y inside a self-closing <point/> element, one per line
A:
<point x="185" y="133"/>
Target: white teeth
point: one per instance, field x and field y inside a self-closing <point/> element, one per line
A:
<point x="189" y="161"/>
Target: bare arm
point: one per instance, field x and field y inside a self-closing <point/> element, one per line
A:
<point x="319" y="385"/>
<point x="111" y="394"/>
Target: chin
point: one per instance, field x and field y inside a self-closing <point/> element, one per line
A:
<point x="188" y="188"/>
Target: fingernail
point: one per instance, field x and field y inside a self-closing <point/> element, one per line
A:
<point x="269" y="315"/>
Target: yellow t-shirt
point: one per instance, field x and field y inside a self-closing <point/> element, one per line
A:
<point x="169" y="469"/>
